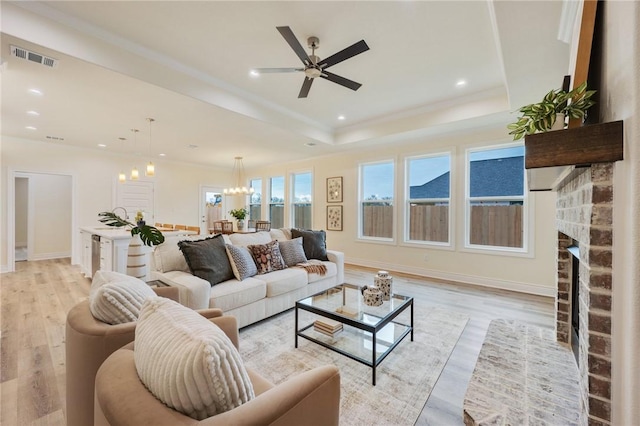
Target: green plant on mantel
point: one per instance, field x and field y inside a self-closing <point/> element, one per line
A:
<point x="541" y="116"/>
<point x="150" y="235"/>
<point x="239" y="214"/>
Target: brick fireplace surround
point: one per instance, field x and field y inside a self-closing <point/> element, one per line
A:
<point x="584" y="212"/>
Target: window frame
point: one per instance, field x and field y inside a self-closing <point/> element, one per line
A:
<point x="361" y="201"/>
<point x="261" y="204"/>
<point x="527" y="208"/>
<point x="283" y="203"/>
<point x="407" y="202"/>
<point x="293" y="203"/>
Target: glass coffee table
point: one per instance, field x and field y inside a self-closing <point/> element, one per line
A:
<point x="342" y="322"/>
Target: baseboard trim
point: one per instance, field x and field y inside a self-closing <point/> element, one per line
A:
<point x="520" y="287"/>
<point x="48" y="256"/>
<point x="4" y="269"/>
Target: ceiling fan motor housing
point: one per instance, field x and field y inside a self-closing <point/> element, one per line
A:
<point x="313" y="42"/>
<point x="312" y="72"/>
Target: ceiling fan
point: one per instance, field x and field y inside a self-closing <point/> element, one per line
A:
<point x="315" y="67"/>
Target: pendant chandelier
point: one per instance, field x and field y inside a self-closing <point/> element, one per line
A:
<point x="122" y="176"/>
<point x="134" y="172"/>
<point x="238" y="180"/>
<point x="151" y="170"/>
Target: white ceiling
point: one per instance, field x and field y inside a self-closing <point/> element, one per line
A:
<point x="187" y="64"/>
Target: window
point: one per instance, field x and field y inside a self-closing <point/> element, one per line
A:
<point x="428" y="198"/>
<point x="255" y="199"/>
<point x="301" y="205"/>
<point x="276" y="202"/>
<point x="376" y="200"/>
<point x="495" y="197"/>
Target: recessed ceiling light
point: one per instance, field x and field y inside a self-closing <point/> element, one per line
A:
<point x="341" y="117"/>
<point x="254" y="73"/>
<point x="162" y="155"/>
<point x="35" y="92"/>
<point x="461" y="83"/>
<point x="33" y="113"/>
<point x="101" y="145"/>
<point x="31" y="128"/>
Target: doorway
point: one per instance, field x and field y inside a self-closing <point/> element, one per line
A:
<point x="21" y="245"/>
<point x="212" y="207"/>
<point x="39" y="217"/>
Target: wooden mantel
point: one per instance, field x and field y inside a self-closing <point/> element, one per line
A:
<point x="580" y="146"/>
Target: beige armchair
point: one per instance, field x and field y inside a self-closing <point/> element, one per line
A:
<point x="311" y="398"/>
<point x="88" y="343"/>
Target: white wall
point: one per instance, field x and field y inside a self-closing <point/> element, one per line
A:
<point x="532" y="274"/>
<point x="94" y="173"/>
<point x="51" y="210"/>
<point x="621" y="101"/>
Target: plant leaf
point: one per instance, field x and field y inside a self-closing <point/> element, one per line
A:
<point x="149" y="235"/>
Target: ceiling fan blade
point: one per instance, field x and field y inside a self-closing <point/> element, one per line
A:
<point x="295" y="44"/>
<point x="349" y="52"/>
<point x="304" y="90"/>
<point x="273" y="70"/>
<point x="340" y="80"/>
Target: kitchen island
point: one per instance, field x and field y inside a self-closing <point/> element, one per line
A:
<point x="107" y="248"/>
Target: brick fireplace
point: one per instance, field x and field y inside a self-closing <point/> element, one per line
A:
<point x="584" y="218"/>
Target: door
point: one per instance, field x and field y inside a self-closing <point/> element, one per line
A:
<point x="212" y="207"/>
<point x="134" y="196"/>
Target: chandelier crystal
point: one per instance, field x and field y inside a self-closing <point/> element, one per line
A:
<point x="238" y="180"/>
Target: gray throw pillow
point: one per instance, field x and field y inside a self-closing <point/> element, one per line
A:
<point x="207" y="259"/>
<point x="313" y="242"/>
<point x="292" y="251"/>
<point x="241" y="262"/>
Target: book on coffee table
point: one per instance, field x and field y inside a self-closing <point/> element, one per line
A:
<point x="327" y="326"/>
<point x="348" y="311"/>
<point x="327" y="332"/>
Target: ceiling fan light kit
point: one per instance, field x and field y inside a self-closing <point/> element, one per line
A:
<point x="315" y="67"/>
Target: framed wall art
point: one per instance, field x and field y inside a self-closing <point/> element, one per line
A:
<point x="334" y="189"/>
<point x="334" y="218"/>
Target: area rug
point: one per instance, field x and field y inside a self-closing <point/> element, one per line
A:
<point x="404" y="379"/>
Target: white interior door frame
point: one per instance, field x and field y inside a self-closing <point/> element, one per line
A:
<point x="202" y="209"/>
<point x="11" y="215"/>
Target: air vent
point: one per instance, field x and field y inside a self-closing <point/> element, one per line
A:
<point x="21" y="53"/>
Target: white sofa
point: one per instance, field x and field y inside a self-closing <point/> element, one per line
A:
<point x="251" y="299"/>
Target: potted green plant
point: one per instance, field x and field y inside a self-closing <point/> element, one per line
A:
<point x="240" y="215"/>
<point x="550" y="113"/>
<point x="150" y="236"/>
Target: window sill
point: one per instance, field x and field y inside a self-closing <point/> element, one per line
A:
<point x="498" y="251"/>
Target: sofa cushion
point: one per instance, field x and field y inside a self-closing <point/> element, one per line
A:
<point x="292" y="251"/>
<point x="262" y="237"/>
<point x="313" y="242"/>
<point x="280" y="234"/>
<point x="167" y="256"/>
<point x="188" y="362"/>
<point x="208" y="259"/>
<point x="284" y="281"/>
<point x="116" y="298"/>
<point x="242" y="262"/>
<point x="233" y="294"/>
<point x="332" y="270"/>
<point x="267" y="257"/>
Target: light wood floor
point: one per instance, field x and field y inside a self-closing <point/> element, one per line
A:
<point x="36" y="298"/>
